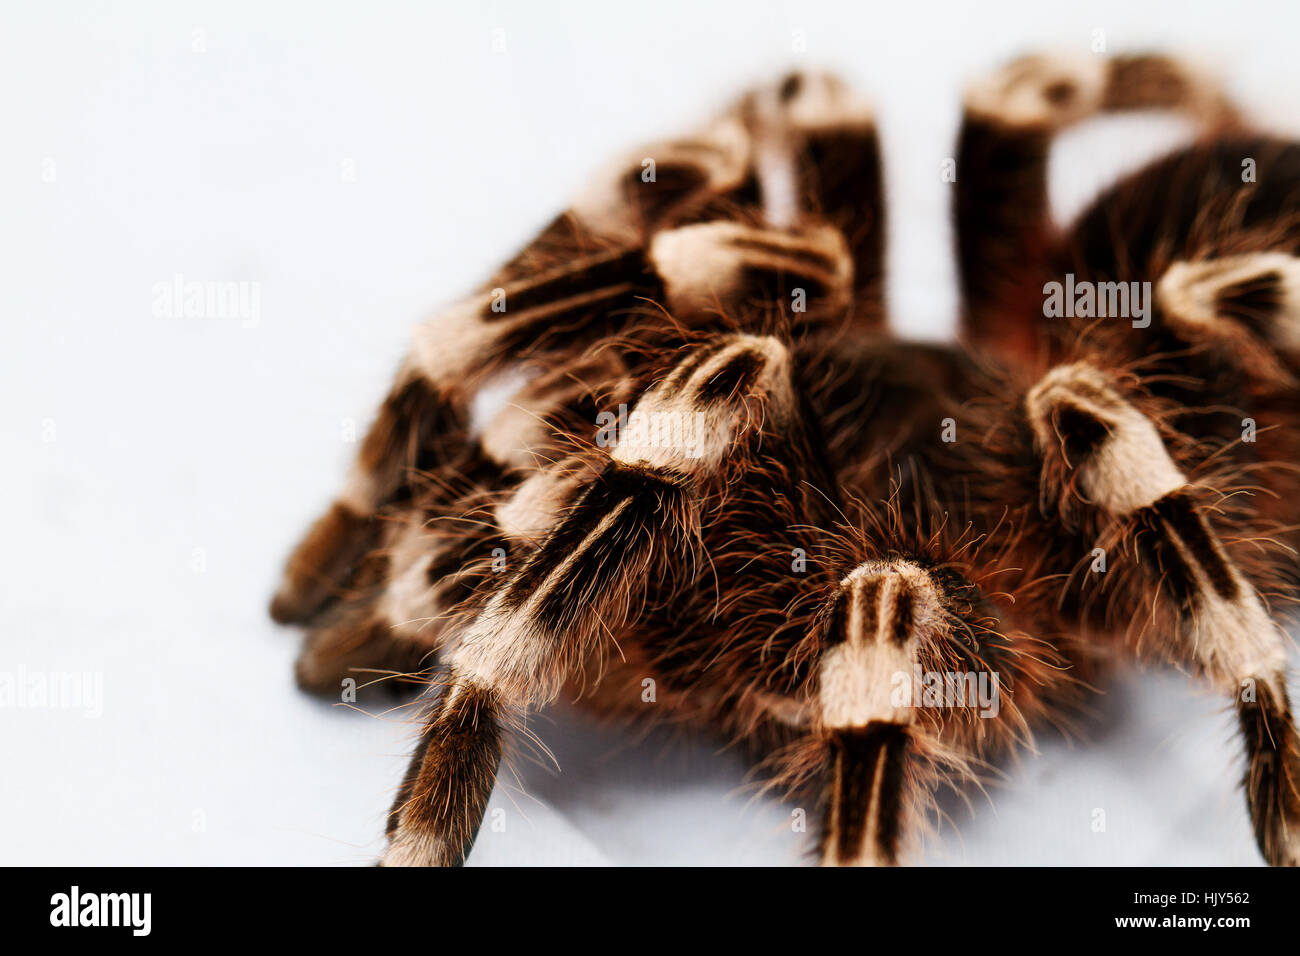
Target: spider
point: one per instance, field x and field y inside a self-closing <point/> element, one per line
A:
<point x="722" y="487"/>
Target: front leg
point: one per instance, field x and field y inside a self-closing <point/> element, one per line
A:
<point x="639" y="516"/>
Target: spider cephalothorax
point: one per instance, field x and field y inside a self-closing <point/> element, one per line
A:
<point x="877" y="563"/>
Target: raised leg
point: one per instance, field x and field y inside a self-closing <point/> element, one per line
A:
<point x="1005" y="236"/>
<point x="819" y="151"/>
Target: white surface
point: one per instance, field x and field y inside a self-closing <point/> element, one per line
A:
<point x="181" y="444"/>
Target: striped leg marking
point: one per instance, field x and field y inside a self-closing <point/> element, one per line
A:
<point x="551" y="616"/>
<point x="1124" y="469"/>
<point x="1248" y="305"/>
<point x="877" y="620"/>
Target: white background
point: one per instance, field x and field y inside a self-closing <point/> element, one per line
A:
<point x="212" y="141"/>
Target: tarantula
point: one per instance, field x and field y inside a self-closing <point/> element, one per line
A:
<point x="720" y="477"/>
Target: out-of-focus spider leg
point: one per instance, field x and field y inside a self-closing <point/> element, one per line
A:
<point x="1240" y="316"/>
<point x="806" y="249"/>
<point x="1107" y="466"/>
<point x="399" y="598"/>
<point x="817" y="152"/>
<point x="1244" y="308"/>
<point x="638" y="516"/>
<point x="1004" y="231"/>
